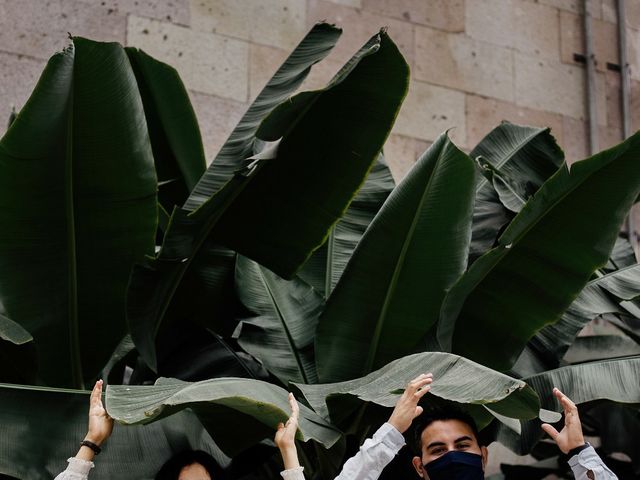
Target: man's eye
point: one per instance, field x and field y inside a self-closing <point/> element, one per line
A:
<point x="462" y="446"/>
<point x="438" y="451"/>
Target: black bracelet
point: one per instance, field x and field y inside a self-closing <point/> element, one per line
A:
<point x="86" y="443"/>
<point x="577" y="450"/>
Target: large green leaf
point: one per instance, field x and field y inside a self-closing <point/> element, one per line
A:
<point x="615" y="380"/>
<point x="173" y="128"/>
<point x="77" y="208"/>
<point x="601" y="347"/>
<point x="315" y="46"/>
<point x="543" y="260"/>
<point x="281" y="332"/>
<point x="237" y="412"/>
<point x="17" y="353"/>
<point x="289" y="198"/>
<point x="596" y="298"/>
<point x="414" y="250"/>
<point x="455" y="379"/>
<point x="277" y="210"/>
<point x="516" y="160"/>
<point x="42" y="427"/>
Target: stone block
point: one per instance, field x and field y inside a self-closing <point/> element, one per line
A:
<point x="175" y="11"/>
<point x="605" y="40"/>
<point x="632" y="12"/>
<point x="278" y="23"/>
<point x="207" y="62"/>
<point x="217" y="118"/>
<point x="525" y="26"/>
<point x="358" y="26"/>
<point x="576" y="139"/>
<point x="442" y="14"/>
<point x="39" y="29"/>
<point x="555" y="87"/>
<point x="633" y="52"/>
<point x="635" y="105"/>
<point x="349" y="3"/>
<point x="401" y="154"/>
<point x="321" y="73"/>
<point x="457" y="61"/>
<point x="430" y="110"/>
<point x="609" y="136"/>
<point x="484" y="114"/>
<point x="613" y="95"/>
<point x="263" y="63"/>
<point x="18" y="77"/>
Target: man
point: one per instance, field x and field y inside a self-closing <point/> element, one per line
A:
<point x="447" y="443"/>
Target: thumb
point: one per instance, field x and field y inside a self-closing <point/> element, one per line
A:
<point x="418" y="412"/>
<point x="551" y="431"/>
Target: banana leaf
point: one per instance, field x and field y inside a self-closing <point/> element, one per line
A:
<point x="274" y="200"/>
<point x="30" y="414"/>
<point x="515" y="161"/>
<point x="17" y="353"/>
<point x="615" y="380"/>
<point x="382" y="308"/>
<point x="314" y="47"/>
<point x="601" y="347"/>
<point x="544" y="258"/>
<point x="324" y="268"/>
<point x="281" y="332"/>
<point x="78" y="208"/>
<point x="455" y="379"/>
<point x="237" y="412"/>
<point x="173" y="128"/>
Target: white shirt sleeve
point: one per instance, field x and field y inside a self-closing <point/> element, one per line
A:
<point x="587" y="465"/>
<point x="293" y="474"/>
<point x="375" y="454"/>
<point x="77" y="470"/>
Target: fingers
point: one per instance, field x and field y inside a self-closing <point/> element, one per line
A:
<point x="551" y="431"/>
<point x="96" y="394"/>
<point x="419" y="382"/>
<point x="280" y="426"/>
<point x="567" y="404"/>
<point x="295" y="409"/>
<point x="418" y="412"/>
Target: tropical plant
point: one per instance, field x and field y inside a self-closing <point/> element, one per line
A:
<point x="293" y="262"/>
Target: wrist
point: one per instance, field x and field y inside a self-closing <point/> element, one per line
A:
<point x="96" y="439"/>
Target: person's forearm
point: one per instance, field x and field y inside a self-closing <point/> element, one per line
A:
<point x="290" y="457"/>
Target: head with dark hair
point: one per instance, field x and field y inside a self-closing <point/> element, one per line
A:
<point x="191" y="465"/>
<point x="437" y="432"/>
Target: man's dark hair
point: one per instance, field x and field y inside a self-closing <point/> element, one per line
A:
<point x="428" y="417"/>
<point x="171" y="469"/>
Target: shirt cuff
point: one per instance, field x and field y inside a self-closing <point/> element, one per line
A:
<point x="390" y="436"/>
<point x="293" y="473"/>
<point x="586" y="460"/>
<point x="77" y="465"/>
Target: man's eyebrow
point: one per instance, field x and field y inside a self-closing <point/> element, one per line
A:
<point x="462" y="439"/>
<point x="435" y="444"/>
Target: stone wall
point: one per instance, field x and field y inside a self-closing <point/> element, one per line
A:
<point x="474" y="62"/>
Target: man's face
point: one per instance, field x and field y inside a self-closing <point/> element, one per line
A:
<point x="443" y="436"/>
<point x="195" y="471"/>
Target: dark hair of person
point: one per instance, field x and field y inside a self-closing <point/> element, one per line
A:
<point x="172" y="467"/>
<point x="428" y="417"/>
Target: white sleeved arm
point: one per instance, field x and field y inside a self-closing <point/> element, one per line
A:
<point x="587" y="465"/>
<point x="374" y="454"/>
<point x="293" y="474"/>
<point x="77" y="470"/>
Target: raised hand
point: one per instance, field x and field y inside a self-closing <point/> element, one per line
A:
<point x="407" y="405"/>
<point x="286" y="436"/>
<point x="570" y="436"/>
<point x="100" y="423"/>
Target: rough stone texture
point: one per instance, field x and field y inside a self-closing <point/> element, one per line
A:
<point x="175" y="11"/>
<point x="483" y="114"/>
<point x="457" y="61"/>
<point x="207" y="62"/>
<point x="401" y="154"/>
<point x="528" y="27"/>
<point x="217" y="118"/>
<point x="554" y="87"/>
<point x="39" y="29"/>
<point x="576" y="133"/>
<point x="429" y="110"/>
<point x="358" y="27"/>
<point x="279" y="23"/>
<point x="442" y="14"/>
<point x="605" y="40"/>
<point x="635" y="106"/>
<point x="18" y="77"/>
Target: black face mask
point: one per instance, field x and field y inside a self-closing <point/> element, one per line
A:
<point x="456" y="466"/>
